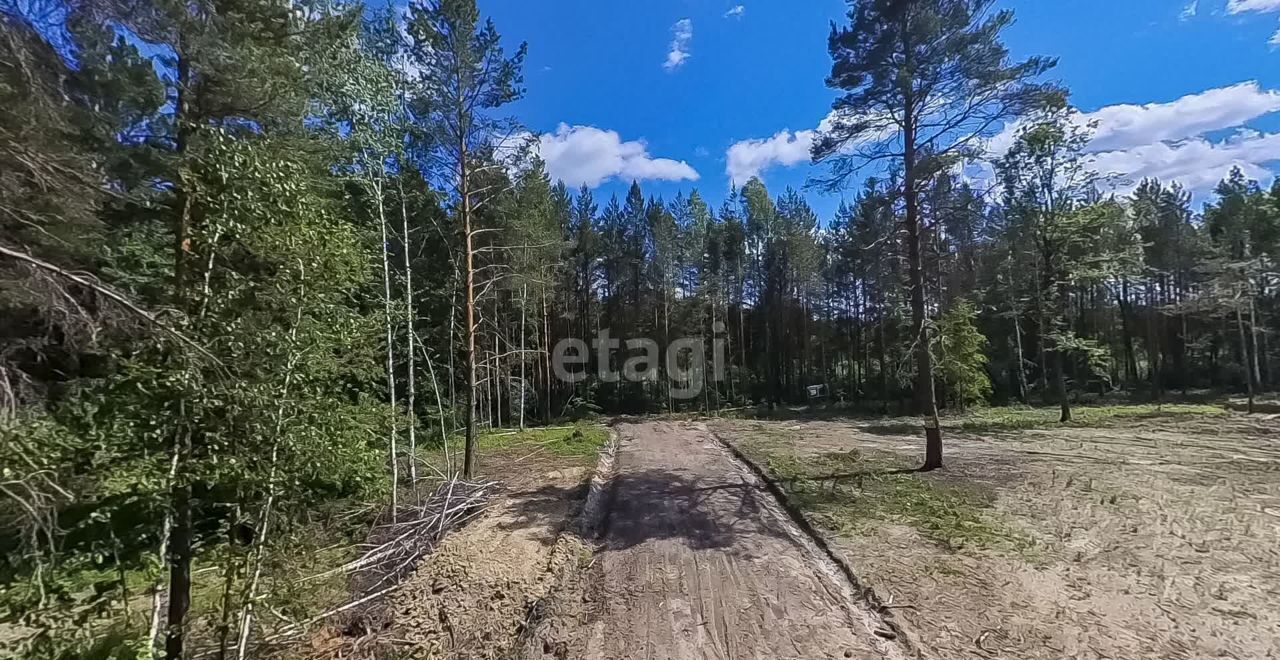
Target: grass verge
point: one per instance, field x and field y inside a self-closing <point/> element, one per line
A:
<point x="848" y="493"/>
<point x="582" y="440"/>
<point x="1017" y="418"/>
<point x="579" y="443"/>
<point x="1003" y="418"/>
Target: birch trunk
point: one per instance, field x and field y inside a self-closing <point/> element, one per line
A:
<point x="393" y="436"/>
<point x="469" y="448"/>
<point x="410" y="366"/>
<point x="1244" y="357"/>
<point x="524" y="299"/>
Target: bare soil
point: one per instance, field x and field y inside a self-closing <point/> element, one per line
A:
<point x="473" y="597"/>
<point x="1153" y="538"/>
<point x="698" y="560"/>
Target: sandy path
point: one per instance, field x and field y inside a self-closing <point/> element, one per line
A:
<point x="699" y="561"/>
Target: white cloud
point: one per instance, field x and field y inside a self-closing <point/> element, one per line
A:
<point x="1261" y="6"/>
<point x="1196" y="163"/>
<point x="1241" y="6"/>
<point x="1127" y="125"/>
<point x="1190" y="10"/>
<point x="579" y="155"/>
<point x="1167" y="140"/>
<point x="736" y="12"/>
<point x="749" y="158"/>
<point x="682" y="35"/>
<point x="1194" y="114"/>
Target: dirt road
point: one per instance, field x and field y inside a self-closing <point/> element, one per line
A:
<point x="699" y="561"/>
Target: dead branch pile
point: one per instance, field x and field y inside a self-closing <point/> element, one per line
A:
<point x="393" y="550"/>
<point x="395" y="547"/>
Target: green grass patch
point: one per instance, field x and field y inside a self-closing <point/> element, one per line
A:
<point x="580" y="441"/>
<point x="850" y="492"/>
<point x="1015" y="418"/>
<point x="1010" y="418"/>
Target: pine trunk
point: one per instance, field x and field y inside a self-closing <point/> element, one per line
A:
<point x="925" y="399"/>
<point x="469" y="446"/>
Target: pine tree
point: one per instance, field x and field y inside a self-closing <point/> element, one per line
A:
<point x="922" y="80"/>
<point x="462" y="65"/>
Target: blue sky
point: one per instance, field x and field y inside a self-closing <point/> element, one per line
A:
<point x="665" y="89"/>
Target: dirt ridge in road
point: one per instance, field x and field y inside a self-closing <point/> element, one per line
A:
<point x="590" y="519"/>
<point x="477" y="596"/>
<point x="867" y="594"/>
<point x="547" y="618"/>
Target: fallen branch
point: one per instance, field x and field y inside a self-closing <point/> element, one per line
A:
<point x="412" y="533"/>
<point x="111" y="294"/>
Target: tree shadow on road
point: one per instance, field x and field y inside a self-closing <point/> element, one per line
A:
<point x="550" y="507"/>
<point x="725" y="512"/>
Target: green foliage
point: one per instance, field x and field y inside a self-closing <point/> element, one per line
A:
<point x="1072" y="239"/>
<point x="1241" y="222"/>
<point x="932" y="71"/>
<point x="1093" y="354"/>
<point x="232" y="179"/>
<point x="278" y="398"/>
<point x="961" y="358"/>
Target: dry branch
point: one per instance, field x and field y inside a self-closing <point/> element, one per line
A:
<point x="111" y="294"/>
<point x="397" y="546"/>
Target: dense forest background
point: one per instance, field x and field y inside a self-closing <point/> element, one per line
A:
<point x="254" y="255"/>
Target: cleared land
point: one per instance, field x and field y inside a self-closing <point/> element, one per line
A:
<point x="1132" y="534"/>
<point x="699" y="561"/>
<point x="474" y="596"/>
<point x="694" y="558"/>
